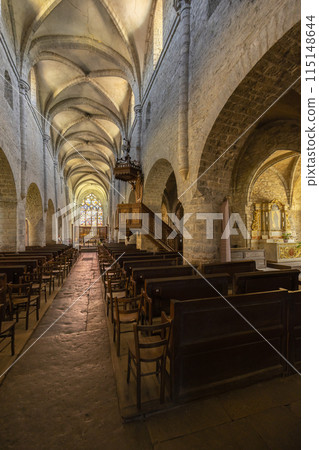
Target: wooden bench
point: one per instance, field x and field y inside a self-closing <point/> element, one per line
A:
<point x="158" y="292"/>
<point x="232" y="267"/>
<point x="13" y="272"/>
<point x="130" y="265"/>
<point x="32" y="264"/>
<point x="265" y="281"/>
<point x="214" y="349"/>
<point x="139" y="275"/>
<point x="41" y="259"/>
<point x="125" y="258"/>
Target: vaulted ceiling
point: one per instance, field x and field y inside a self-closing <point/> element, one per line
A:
<point x="88" y="61"/>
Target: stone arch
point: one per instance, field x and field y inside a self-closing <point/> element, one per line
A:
<point x="155" y="184"/>
<point x="34" y="214"/>
<point x="247" y="114"/>
<point x="269" y="79"/>
<point x="8" y="206"/>
<point x="49" y="230"/>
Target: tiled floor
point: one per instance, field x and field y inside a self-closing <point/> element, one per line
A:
<point x="63" y="394"/>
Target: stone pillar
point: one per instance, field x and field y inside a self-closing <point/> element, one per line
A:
<point x="138" y="113"/>
<point x="67" y="193"/>
<point x="21" y="204"/>
<point x="23" y="90"/>
<point x="55" y="183"/>
<point x="45" y="140"/>
<point x="182" y="8"/>
<point x="225" y="252"/>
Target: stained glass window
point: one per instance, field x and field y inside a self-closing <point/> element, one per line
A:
<point x="91" y="212"/>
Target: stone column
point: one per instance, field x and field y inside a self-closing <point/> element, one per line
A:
<point x="67" y="193"/>
<point x="182" y="8"/>
<point x="21" y="205"/>
<point x="55" y="183"/>
<point x="45" y="140"/>
<point x="23" y="90"/>
<point x="138" y="113"/>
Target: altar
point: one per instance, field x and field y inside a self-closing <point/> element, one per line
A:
<point x="282" y="251"/>
<point x="271" y="231"/>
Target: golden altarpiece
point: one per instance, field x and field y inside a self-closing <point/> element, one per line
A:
<point x="271" y="230"/>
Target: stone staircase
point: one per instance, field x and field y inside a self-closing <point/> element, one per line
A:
<point x="257" y="255"/>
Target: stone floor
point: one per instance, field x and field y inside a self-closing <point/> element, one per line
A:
<point x="62" y="392"/>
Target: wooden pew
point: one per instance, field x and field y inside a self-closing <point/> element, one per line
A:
<point x="32" y="264"/>
<point x="139" y="275"/>
<point x="213" y="349"/>
<point x="158" y="292"/>
<point x="41" y="259"/>
<point x="265" y="281"/>
<point x="294" y="323"/>
<point x="13" y="272"/>
<point x="232" y="267"/>
<point x="130" y="265"/>
<point x="126" y="258"/>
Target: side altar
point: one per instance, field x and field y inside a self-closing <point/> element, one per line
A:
<point x="271" y="231"/>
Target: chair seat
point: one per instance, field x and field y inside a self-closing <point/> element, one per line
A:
<point x="19" y="300"/>
<point x="127" y="318"/>
<point x="7" y="325"/>
<point x="117" y="295"/>
<point x="147" y="354"/>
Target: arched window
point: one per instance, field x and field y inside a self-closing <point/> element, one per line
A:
<point x="148" y="114"/>
<point x="8" y="94"/>
<point x="91" y="212"/>
<point x="158" y="32"/>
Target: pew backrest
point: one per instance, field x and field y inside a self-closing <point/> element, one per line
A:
<point x="265" y="281"/>
<point x="13" y="272"/>
<point x="129" y="265"/>
<point x="159" y="291"/>
<point x="248" y="265"/>
<point x="213" y="348"/>
<point x="139" y="275"/>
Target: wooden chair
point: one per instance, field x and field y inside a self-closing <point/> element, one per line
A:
<point x="37" y="286"/>
<point x="47" y="277"/>
<point x="21" y="298"/>
<point x="149" y="349"/>
<point x="115" y="288"/>
<point x="127" y="311"/>
<point x="7" y="324"/>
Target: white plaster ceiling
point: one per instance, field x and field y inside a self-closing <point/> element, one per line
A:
<point x="88" y="57"/>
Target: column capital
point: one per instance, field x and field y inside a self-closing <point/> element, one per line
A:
<point x="24" y="87"/>
<point x="179" y="5"/>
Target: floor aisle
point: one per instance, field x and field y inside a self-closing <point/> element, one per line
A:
<point x="62" y="393"/>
